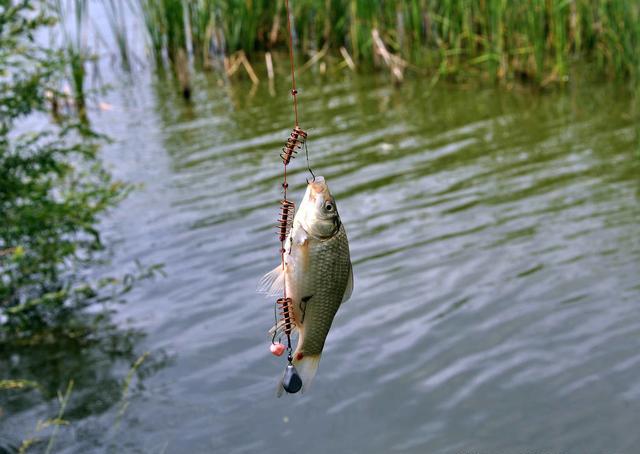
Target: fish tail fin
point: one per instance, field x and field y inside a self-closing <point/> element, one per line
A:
<point x="306" y="368"/>
<point x="280" y="387"/>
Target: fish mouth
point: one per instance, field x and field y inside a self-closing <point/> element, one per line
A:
<point x="318" y="185"/>
<point x="319" y="190"/>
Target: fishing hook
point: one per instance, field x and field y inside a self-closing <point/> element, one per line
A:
<point x="306" y="151"/>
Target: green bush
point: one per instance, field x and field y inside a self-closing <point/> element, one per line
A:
<point x="53" y="187"/>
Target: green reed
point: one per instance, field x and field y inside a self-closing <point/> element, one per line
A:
<point x="75" y="46"/>
<point x="537" y="40"/>
<point x="166" y="27"/>
<point x="116" y="13"/>
<point x="173" y="25"/>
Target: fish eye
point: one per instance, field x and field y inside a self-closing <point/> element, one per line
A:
<point x="328" y="207"/>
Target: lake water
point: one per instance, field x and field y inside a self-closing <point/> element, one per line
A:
<point x="495" y="238"/>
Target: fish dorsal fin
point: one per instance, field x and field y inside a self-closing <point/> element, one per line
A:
<point x="272" y="283"/>
<point x="349" y="290"/>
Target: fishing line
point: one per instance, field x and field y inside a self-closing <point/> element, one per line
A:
<point x="284" y="310"/>
<point x="294" y="90"/>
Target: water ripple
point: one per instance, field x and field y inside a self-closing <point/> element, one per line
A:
<point x="496" y="254"/>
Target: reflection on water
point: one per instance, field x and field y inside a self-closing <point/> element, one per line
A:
<point x="496" y="253"/>
<point x="96" y="364"/>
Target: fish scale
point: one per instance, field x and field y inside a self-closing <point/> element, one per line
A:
<point x="326" y="280"/>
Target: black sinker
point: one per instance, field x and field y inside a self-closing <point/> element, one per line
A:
<point x="291" y="382"/>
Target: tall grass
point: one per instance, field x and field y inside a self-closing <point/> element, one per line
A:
<point x="75" y="46"/>
<point x="165" y="23"/>
<point x="231" y="24"/>
<point x="116" y="12"/>
<point x="500" y="39"/>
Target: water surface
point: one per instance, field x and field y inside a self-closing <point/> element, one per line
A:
<point x="496" y="247"/>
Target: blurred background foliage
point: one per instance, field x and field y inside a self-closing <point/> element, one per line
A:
<point x="55" y="319"/>
<point x="533" y="40"/>
<point x="53" y="186"/>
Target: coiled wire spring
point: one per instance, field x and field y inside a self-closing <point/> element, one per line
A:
<point x="293" y="145"/>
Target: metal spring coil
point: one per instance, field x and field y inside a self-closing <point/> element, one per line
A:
<point x="286" y="314"/>
<point x="294" y="142"/>
<point x="285" y="221"/>
<point x="300" y="132"/>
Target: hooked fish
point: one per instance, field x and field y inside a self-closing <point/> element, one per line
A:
<point x="318" y="275"/>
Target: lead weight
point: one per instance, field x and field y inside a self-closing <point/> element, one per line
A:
<point x="291" y="382"/>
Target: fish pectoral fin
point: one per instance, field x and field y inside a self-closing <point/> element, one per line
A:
<point x="298" y="235"/>
<point x="272" y="283"/>
<point x="349" y="289"/>
<point x="280" y="327"/>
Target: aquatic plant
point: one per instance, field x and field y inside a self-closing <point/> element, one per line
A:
<point x="166" y="27"/>
<point x="79" y="377"/>
<point x="117" y="13"/>
<point x="535" y="40"/>
<point x="53" y="188"/>
<point x="53" y="191"/>
<point x="75" y="47"/>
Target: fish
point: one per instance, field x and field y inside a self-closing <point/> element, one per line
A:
<point x="318" y="274"/>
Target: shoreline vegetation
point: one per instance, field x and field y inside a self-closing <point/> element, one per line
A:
<point x="56" y="326"/>
<point x="531" y="41"/>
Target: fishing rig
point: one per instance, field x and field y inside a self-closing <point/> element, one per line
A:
<point x="284" y="313"/>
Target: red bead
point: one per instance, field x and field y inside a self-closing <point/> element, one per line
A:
<point x="277" y="349"/>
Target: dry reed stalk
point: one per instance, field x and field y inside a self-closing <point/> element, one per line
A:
<point x="247" y="66"/>
<point x="347" y="58"/>
<point x="273" y="34"/>
<point x="232" y="63"/>
<point x="269" y="62"/>
<point x="316" y="57"/>
<point x="395" y="63"/>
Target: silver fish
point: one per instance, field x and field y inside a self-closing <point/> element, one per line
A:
<point x="319" y="275"/>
